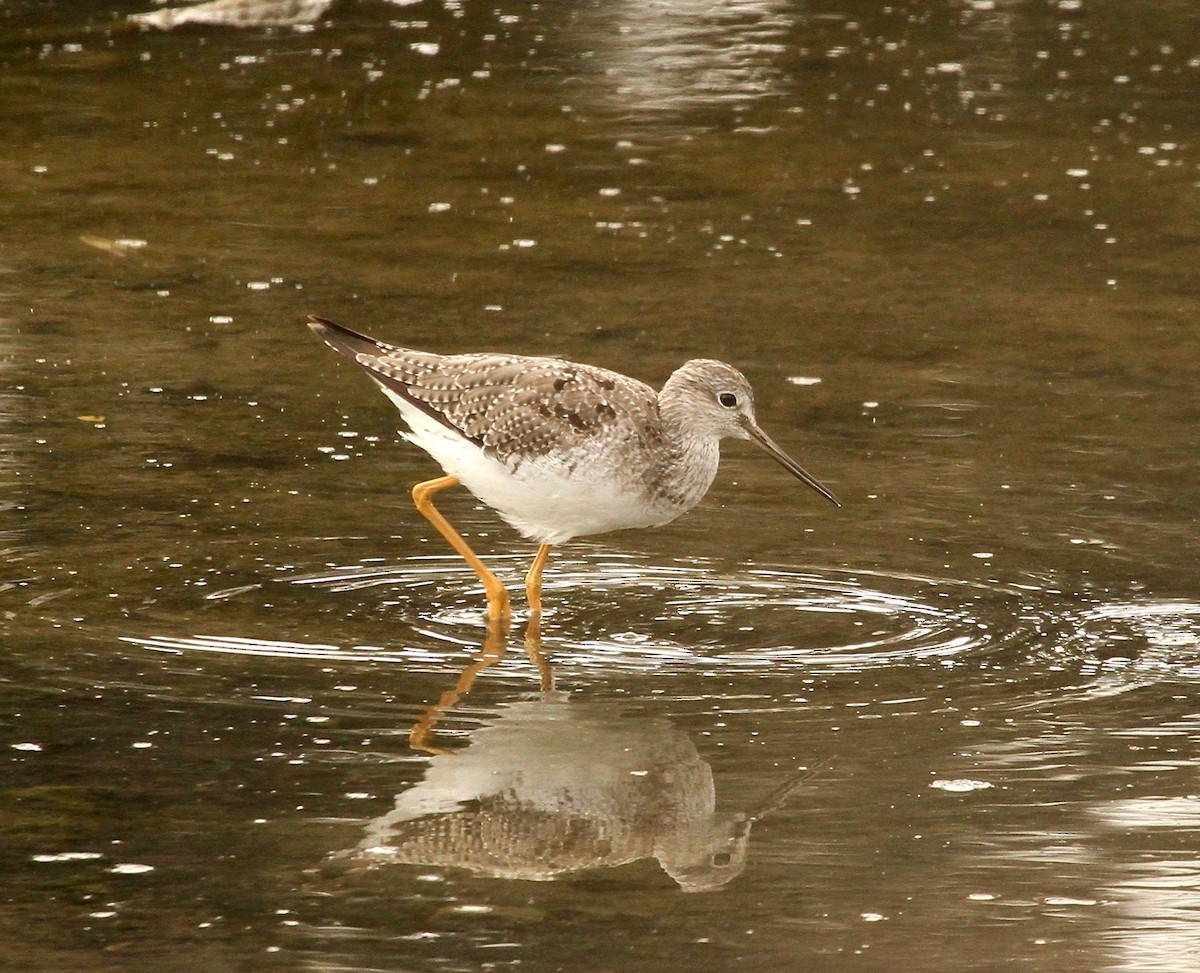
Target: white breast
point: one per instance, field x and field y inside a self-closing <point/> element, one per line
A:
<point x="545" y="499"/>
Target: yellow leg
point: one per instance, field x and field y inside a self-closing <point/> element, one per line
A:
<point x="422" y="494"/>
<point x="533" y="580"/>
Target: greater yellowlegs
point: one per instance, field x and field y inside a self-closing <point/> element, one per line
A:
<point x="559" y="449"/>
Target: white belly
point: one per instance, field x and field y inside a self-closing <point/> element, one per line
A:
<point x="543" y="499"/>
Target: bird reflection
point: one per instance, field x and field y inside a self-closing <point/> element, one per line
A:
<point x="555" y="784"/>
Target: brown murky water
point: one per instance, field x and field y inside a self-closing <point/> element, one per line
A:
<point x="952" y="726"/>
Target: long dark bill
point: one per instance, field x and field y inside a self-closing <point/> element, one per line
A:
<point x="789" y="464"/>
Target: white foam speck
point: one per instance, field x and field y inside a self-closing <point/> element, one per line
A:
<point x="131" y="868"/>
<point x="69" y="856"/>
<point x="960" y="786"/>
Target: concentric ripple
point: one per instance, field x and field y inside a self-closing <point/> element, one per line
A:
<point x="610" y="614"/>
<point x="622" y="614"/>
<point x="691" y="614"/>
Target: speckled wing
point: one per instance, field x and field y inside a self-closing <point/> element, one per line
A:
<point x="519" y="408"/>
<point x="515" y="407"/>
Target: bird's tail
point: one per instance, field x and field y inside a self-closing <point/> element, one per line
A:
<point x="349" y="343"/>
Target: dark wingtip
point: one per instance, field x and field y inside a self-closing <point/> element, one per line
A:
<point x="342" y="339"/>
<point x="324" y="328"/>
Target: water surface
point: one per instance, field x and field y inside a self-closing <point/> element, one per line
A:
<point x="254" y="718"/>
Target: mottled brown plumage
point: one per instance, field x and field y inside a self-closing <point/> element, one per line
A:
<point x="518" y="407"/>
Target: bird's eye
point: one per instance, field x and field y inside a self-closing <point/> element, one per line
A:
<point x="728" y="399"/>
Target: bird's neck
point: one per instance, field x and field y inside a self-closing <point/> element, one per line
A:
<point x="690" y="457"/>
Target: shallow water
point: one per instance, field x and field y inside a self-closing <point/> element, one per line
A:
<point x="253" y="716"/>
